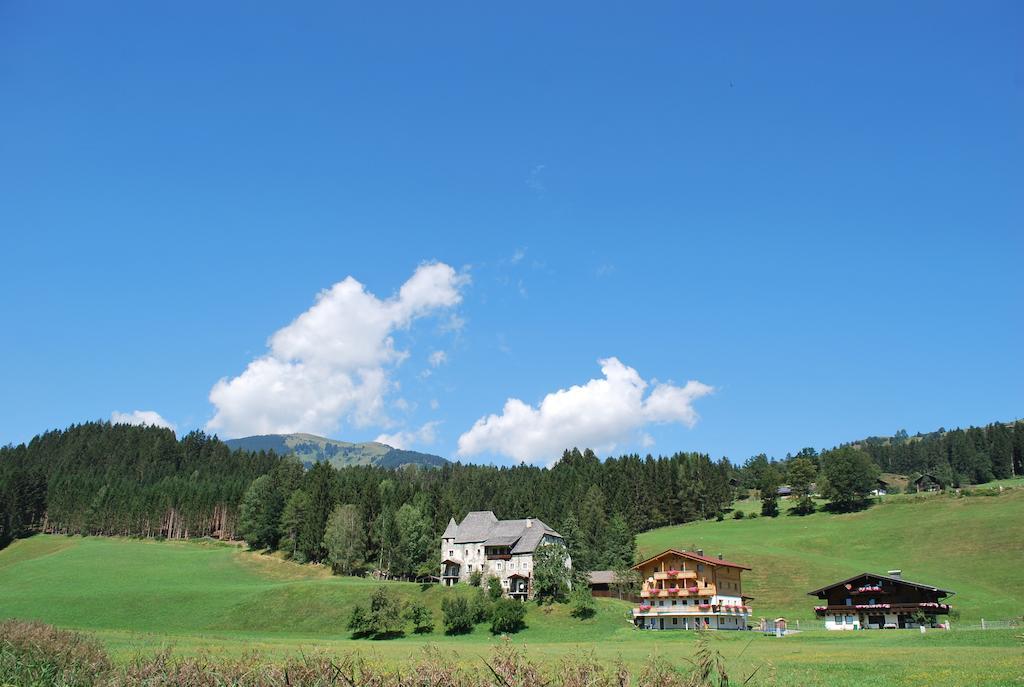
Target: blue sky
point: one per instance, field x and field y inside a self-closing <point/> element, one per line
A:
<point x="813" y="208"/>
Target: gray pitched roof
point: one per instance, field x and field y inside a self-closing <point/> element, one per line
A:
<point x="484" y="527"/>
<point x="449" y="532"/>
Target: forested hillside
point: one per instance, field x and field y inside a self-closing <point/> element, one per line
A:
<point x="98" y="478"/>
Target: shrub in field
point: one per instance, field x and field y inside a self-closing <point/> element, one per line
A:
<point x="480" y="607"/>
<point x="383" y="618"/>
<point x="494" y="589"/>
<point x="457" y="617"/>
<point x="421" y="618"/>
<point x="475" y="578"/>
<point x="507" y="616"/>
<point x="737" y="515"/>
<point x="582" y="603"/>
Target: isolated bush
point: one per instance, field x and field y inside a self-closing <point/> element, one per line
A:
<point x="582" y="603"/>
<point x="494" y="589"/>
<point x="480" y="607"/>
<point x="737" y="515"/>
<point x="507" y="616"/>
<point x="421" y="618"/>
<point x="383" y="617"/>
<point x="475" y="578"/>
<point x="456" y="616"/>
<point x="359" y="621"/>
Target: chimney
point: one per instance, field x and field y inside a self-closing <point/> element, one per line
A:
<point x="896" y="573"/>
<point x="529" y="522"/>
<point x="700" y="552"/>
<point x="721" y="557"/>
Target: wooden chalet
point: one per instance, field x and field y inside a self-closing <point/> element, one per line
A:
<point x="686" y="590"/>
<point x="870" y="601"/>
<point x="927" y="482"/>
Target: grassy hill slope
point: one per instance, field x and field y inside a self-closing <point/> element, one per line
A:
<point x="972" y="545"/>
<point x="102" y="583"/>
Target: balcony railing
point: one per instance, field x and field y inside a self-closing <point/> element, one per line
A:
<point x="675" y="575"/>
<point x="926" y="606"/>
<point x="499" y="556"/>
<point x="683" y="592"/>
<point x="705" y="609"/>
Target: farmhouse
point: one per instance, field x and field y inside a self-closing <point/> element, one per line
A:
<point x="683" y="590"/>
<point x="869" y="601"/>
<point x="927" y="482"/>
<point x="502" y="548"/>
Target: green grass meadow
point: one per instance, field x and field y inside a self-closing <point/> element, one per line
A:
<point x="206" y="597"/>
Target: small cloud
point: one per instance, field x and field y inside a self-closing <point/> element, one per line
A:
<point x="438" y="358"/>
<point x="646" y="440"/>
<point x="141" y="417"/>
<point x="518" y="256"/>
<point x="522" y="289"/>
<point x="605" y="269"/>
<point x="453" y="324"/>
<point x="503" y="344"/>
<point x="405" y="439"/>
<point x="434" y="405"/>
<point x="535" y="179"/>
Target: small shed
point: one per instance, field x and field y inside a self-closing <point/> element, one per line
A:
<point x="600" y="582"/>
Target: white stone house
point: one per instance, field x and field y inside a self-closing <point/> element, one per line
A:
<point x="502" y="548"/>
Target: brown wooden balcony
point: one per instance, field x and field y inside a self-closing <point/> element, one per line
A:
<point x="679" y="575"/>
<point x="499" y="556"/>
<point x="927" y="607"/>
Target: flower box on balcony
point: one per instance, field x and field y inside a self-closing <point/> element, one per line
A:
<point x="673" y="590"/>
<point x="692" y="590"/>
<point x="645" y="607"/>
<point x="673" y="572"/>
<point x="704" y="605"/>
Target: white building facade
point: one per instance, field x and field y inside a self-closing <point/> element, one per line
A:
<point x="499" y="548"/>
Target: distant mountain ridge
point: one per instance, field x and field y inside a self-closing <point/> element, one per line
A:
<point x="311" y="449"/>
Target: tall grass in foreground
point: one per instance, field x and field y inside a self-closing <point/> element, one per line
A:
<point x="34" y="654"/>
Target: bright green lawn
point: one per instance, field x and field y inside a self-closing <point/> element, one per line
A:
<point x="973" y="546"/>
<point x="141" y="595"/>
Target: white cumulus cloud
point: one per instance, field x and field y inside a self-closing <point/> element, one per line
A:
<point x="141" y="417"/>
<point x="424" y="436"/>
<point x="333" y="362"/>
<point x="599" y="414"/>
<point x="438" y="358"/>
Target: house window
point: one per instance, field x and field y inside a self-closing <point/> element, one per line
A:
<point x="499" y="566"/>
<point x="849" y="601"/>
<point x="700" y="567"/>
<point x="467" y="553"/>
<point x="512" y="566"/>
<point x="839" y="619"/>
<point x="849" y="619"/>
<point x="674" y="621"/>
<point x="451" y="553"/>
